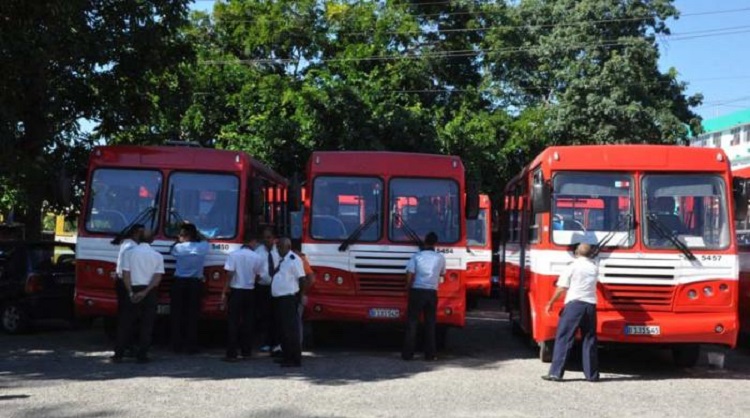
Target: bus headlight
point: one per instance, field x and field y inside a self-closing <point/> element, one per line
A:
<point x="692" y="294"/>
<point x="723" y="287"/>
<point x="327" y="277"/>
<point x="339" y="280"/>
<point x="100" y="271"/>
<point x="708" y="291"/>
<point x="216" y="275"/>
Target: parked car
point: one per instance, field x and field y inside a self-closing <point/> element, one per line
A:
<point x="37" y="281"/>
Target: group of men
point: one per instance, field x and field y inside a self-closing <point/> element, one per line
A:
<point x="265" y="285"/>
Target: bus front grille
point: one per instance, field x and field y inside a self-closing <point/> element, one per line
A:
<point x="634" y="298"/>
<point x="637" y="270"/>
<point x="381" y="284"/>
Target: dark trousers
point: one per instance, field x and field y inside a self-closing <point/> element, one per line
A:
<point x="240" y="318"/>
<point x="142" y="313"/>
<point x="264" y="313"/>
<point x="122" y="295"/>
<point x="288" y="319"/>
<point x="185" y="307"/>
<point x="575" y="315"/>
<point x="421" y="301"/>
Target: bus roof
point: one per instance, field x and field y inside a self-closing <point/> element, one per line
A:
<point x="191" y="158"/>
<point x="628" y="157"/>
<point x="381" y="162"/>
<point x="633" y="158"/>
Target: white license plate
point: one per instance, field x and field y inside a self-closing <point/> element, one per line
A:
<point x="162" y="310"/>
<point x="385" y="313"/>
<point x="642" y="330"/>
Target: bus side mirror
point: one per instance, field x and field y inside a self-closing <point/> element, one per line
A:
<point x="541" y="197"/>
<point x="294" y="195"/>
<point x="472" y="200"/>
<point x="256" y="197"/>
<point x="739" y="190"/>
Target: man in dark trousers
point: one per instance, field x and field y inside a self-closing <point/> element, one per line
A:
<point x="423" y="272"/>
<point x="579" y="283"/>
<point x="264" y="302"/>
<point x="142" y="268"/>
<point x="285" y="290"/>
<point x="243" y="267"/>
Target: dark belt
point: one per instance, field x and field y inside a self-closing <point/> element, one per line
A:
<point x="138" y="288"/>
<point x="187" y="278"/>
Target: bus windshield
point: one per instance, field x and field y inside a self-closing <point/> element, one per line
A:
<point x="476" y="230"/>
<point x="422" y="206"/>
<point x="119" y="196"/>
<point x="210" y="201"/>
<point x="588" y="207"/>
<point x="690" y="208"/>
<point x="341" y="205"/>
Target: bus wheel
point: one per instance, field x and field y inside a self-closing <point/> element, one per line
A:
<point x="110" y="327"/>
<point x="15" y="320"/>
<point x="441" y="336"/>
<point x="686" y="355"/>
<point x="545" y="351"/>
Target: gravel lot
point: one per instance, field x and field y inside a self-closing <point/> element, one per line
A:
<point x="484" y="372"/>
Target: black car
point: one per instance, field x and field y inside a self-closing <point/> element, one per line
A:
<point x="37" y="281"/>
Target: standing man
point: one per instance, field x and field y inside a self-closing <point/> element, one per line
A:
<point x="285" y="290"/>
<point x="423" y="273"/>
<point x="185" y="295"/>
<point x="126" y="244"/>
<point x="579" y="281"/>
<point x="303" y="286"/>
<point x="243" y="267"/>
<point x="265" y="311"/>
<point x="142" y="268"/>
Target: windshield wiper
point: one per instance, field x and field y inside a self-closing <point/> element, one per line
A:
<point x="354" y="236"/>
<point x="665" y="233"/>
<point x="141" y="218"/>
<point x="611" y="234"/>
<point x="409" y="231"/>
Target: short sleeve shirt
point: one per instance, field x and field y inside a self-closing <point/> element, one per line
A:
<point x="580" y="278"/>
<point x="246" y="265"/>
<point x="143" y="262"/>
<point x="286" y="280"/>
<point x="427" y="267"/>
<point x="125" y="246"/>
<point x="265" y="277"/>
<point x="190" y="258"/>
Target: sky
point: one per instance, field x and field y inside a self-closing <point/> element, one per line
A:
<point x="710" y="50"/>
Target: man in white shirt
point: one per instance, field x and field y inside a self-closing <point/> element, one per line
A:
<point x="579" y="283"/>
<point x="423" y="272"/>
<point x="264" y="309"/>
<point x="142" y="268"/>
<point x="285" y="291"/>
<point x="126" y="244"/>
<point x="243" y="267"/>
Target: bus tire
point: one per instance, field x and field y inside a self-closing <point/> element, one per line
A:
<point x="110" y="327"/>
<point x="686" y="355"/>
<point x="546" y="348"/>
<point x="441" y="337"/>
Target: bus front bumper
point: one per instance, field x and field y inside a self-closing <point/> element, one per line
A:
<point x="662" y="328"/>
<point x="451" y="311"/>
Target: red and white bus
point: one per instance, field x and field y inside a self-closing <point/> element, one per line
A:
<point x="226" y="194"/>
<point x="479" y="254"/>
<point x="742" y="175"/>
<point x="662" y="217"/>
<point x="364" y="214"/>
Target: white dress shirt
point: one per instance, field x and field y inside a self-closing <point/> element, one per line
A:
<point x="427" y="267"/>
<point x="580" y="279"/>
<point x="286" y="280"/>
<point x="246" y="264"/>
<point x="126" y="245"/>
<point x="143" y="262"/>
<point x="265" y="277"/>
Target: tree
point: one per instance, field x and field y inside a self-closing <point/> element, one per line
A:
<point x="67" y="61"/>
<point x="592" y="66"/>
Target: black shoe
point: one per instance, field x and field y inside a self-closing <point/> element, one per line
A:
<point x="277" y="354"/>
<point x="552" y="378"/>
<point x="229" y="359"/>
<point x="143" y="360"/>
<point x="430" y="358"/>
<point x="291" y="364"/>
<point x="247" y="355"/>
<point x="279" y="360"/>
<point x="116" y="359"/>
<point x="407" y="358"/>
<point x="593" y="379"/>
